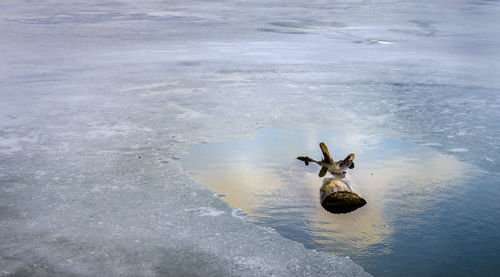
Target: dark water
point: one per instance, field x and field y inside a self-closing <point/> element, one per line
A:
<point x="428" y="214"/>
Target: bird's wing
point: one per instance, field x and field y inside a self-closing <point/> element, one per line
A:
<point x="326" y="154"/>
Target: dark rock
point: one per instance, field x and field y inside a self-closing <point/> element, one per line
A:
<point x="342" y="202"/>
<point x="337" y="196"/>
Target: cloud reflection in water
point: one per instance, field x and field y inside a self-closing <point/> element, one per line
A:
<point x="264" y="179"/>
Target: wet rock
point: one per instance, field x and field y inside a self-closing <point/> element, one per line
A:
<point x="337" y="196"/>
<point x="342" y="202"/>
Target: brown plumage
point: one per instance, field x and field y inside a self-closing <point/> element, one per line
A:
<point x="328" y="164"/>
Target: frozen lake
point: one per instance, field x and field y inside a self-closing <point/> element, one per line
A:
<point x="99" y="100"/>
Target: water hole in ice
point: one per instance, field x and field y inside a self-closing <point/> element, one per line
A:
<point x="420" y="201"/>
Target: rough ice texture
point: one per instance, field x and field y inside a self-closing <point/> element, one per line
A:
<point x="99" y="99"/>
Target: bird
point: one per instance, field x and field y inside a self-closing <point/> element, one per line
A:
<point x="337" y="169"/>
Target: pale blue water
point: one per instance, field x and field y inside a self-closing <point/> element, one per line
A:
<point x="428" y="214"/>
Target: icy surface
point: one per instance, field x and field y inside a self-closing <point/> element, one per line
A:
<point x="98" y="99"/>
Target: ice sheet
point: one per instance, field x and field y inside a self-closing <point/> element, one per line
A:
<point x="98" y="99"/>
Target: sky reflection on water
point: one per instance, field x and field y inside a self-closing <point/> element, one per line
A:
<point x="408" y="187"/>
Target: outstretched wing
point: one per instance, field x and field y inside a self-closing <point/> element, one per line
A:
<point x="323" y="171"/>
<point x="326" y="154"/>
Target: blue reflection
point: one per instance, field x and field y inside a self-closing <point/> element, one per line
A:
<point x="427" y="212"/>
